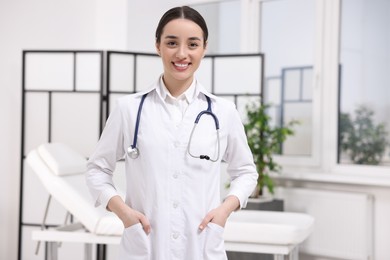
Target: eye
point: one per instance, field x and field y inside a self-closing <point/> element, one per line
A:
<point x="171" y="44"/>
<point x="193" y="45"/>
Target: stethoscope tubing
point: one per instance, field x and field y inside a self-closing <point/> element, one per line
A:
<point x="133" y="151"/>
<point x="134" y="145"/>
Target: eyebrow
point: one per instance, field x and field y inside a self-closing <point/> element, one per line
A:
<point x="175" y="37"/>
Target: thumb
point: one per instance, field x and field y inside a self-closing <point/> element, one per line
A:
<point x="145" y="223"/>
<point x="205" y="221"/>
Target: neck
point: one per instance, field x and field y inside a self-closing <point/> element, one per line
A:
<point x="177" y="87"/>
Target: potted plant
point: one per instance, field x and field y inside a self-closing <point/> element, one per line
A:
<point x="361" y="139"/>
<point x="265" y="140"/>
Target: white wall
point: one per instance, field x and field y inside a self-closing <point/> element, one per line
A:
<point x="141" y="30"/>
<point x="111" y="24"/>
<point x="41" y="24"/>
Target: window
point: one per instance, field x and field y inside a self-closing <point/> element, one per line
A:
<point x="364" y="121"/>
<point x="287" y="38"/>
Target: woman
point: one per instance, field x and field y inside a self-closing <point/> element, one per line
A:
<point x="173" y="208"/>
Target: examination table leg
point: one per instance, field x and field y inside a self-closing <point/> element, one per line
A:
<point x="293" y="255"/>
<point x="88" y="252"/>
<point x="52" y="250"/>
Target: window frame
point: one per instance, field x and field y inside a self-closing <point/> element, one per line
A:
<point x="326" y="94"/>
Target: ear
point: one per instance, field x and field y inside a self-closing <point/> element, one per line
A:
<point x="205" y="49"/>
<point x="158" y="48"/>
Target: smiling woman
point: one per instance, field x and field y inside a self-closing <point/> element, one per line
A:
<point x="181" y="46"/>
<point x="172" y="208"/>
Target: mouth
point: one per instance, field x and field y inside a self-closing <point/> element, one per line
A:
<point x="181" y="66"/>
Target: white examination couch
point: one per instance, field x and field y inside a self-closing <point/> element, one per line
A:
<point x="61" y="170"/>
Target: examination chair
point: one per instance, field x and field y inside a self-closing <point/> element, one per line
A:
<point x="61" y="171"/>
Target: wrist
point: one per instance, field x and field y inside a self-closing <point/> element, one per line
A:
<point x="230" y="204"/>
<point x="119" y="207"/>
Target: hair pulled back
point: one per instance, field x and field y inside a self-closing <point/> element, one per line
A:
<point x="184" y="12"/>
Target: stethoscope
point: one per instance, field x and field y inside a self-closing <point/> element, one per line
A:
<point x="133" y="150"/>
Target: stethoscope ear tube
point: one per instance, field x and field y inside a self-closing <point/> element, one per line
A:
<point x="208" y="112"/>
<point x="203" y="156"/>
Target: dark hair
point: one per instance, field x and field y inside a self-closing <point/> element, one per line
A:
<point x="184" y="12"/>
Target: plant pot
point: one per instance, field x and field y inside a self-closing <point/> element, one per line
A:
<point x="265" y="203"/>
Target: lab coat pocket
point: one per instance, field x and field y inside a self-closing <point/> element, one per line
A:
<point x="135" y="244"/>
<point x="214" y="244"/>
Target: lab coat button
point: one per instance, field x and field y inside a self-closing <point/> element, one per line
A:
<point x="175" y="176"/>
<point x="176" y="144"/>
<point x="175" y="235"/>
<point x="175" y="205"/>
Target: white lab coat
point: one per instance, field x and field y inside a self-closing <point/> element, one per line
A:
<point x="174" y="190"/>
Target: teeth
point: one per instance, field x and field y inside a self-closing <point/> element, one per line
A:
<point x="181" y="65"/>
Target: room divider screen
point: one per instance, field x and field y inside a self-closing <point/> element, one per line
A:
<point x="61" y="102"/>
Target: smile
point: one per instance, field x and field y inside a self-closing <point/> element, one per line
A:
<point x="182" y="65"/>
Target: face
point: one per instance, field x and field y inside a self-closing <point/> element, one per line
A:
<point x="181" y="48"/>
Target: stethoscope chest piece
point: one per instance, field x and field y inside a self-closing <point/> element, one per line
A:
<point x="133" y="152"/>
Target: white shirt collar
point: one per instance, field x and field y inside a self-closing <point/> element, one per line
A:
<point x="189" y="94"/>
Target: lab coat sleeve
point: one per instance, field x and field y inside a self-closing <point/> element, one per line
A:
<point x="101" y="164"/>
<point x="241" y="167"/>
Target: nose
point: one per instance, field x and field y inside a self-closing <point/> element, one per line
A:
<point x="181" y="52"/>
